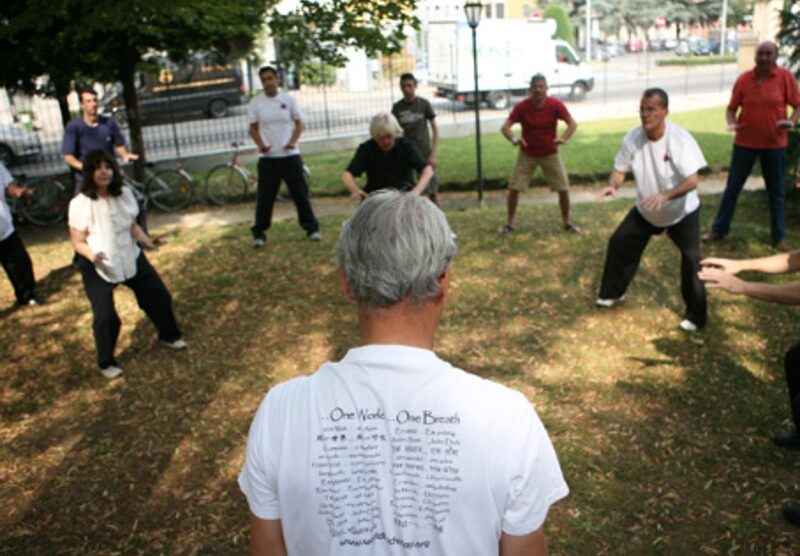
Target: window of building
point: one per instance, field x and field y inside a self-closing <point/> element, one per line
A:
<point x="499" y="11"/>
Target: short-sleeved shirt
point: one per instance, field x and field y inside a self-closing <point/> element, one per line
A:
<point x="539" y="124"/>
<point x="413" y="117"/>
<point x="659" y="166"/>
<point x="763" y="104"/>
<point x="108" y="223"/>
<point x="276" y="117"/>
<point x="393" y="451"/>
<point x="80" y="138"/>
<point x="392" y="170"/>
<point x="6" y="220"/>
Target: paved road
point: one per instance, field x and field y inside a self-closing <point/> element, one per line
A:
<point x="331" y="113"/>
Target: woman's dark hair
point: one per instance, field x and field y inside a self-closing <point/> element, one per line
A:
<point x="90" y="163"/>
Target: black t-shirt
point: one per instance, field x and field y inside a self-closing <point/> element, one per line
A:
<point x="390" y="170"/>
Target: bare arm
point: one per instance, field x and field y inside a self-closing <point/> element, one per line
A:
<point x="434" y="142"/>
<point x="78" y="239"/>
<point x="532" y="544"/>
<point x="572" y="125"/>
<point x="730" y="117"/>
<point x="266" y="537"/>
<point x="256" y="137"/>
<point x="73" y="162"/>
<point x="506" y="131"/>
<point x="350" y="183"/>
<point x="424" y="177"/>
<point x="614" y="181"/>
<point x="715" y="277"/>
<point x="780" y="263"/>
<point x="125" y="154"/>
<point x="18" y="191"/>
<point x="140" y="236"/>
<point x="298" y="129"/>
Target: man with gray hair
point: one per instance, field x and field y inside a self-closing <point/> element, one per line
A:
<point x="392" y="450"/>
<point x="388" y="160"/>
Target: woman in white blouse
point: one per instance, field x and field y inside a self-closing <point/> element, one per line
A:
<point x="104" y="232"/>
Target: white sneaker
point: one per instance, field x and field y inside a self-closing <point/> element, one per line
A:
<point x="314" y="236"/>
<point x="505" y="228"/>
<point x="112" y="371"/>
<point x="178" y="344"/>
<point x="258" y="243"/>
<point x="608" y="303"/>
<point x="688" y="326"/>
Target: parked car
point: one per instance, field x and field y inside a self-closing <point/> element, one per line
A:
<point x="17" y="144"/>
<point x="634" y="44"/>
<point x="201" y="86"/>
<point x="670" y="44"/>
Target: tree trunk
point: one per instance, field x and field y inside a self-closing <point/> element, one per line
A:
<point x="62" y="90"/>
<point x="127" y="74"/>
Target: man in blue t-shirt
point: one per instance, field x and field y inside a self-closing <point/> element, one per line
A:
<point x="88" y="132"/>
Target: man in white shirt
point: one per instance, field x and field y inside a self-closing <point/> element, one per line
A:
<point x="391" y="450"/>
<point x="665" y="160"/>
<point x="275" y="127"/>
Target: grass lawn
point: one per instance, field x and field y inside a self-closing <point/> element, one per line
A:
<point x="590" y="152"/>
<point x="664" y="437"/>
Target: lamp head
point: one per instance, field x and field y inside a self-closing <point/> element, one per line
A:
<point x="473" y="12"/>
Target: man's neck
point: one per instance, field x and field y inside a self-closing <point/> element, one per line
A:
<point x="273" y="95"/>
<point x="412" y="99"/>
<point x="658" y="133"/>
<point x="538" y="104"/>
<point x="91" y="120"/>
<point x="402" y="324"/>
<point x="764" y="73"/>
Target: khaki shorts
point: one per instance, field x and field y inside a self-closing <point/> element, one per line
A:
<point x="552" y="167"/>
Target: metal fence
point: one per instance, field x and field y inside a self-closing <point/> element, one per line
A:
<point x="31" y="129"/>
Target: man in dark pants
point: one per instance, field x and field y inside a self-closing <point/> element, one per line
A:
<point x="721" y="273"/>
<point x="761" y="128"/>
<point x="664" y="159"/>
<point x="275" y="126"/>
<point x="13" y="256"/>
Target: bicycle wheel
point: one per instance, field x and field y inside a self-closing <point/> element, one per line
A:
<point x="226" y="184"/>
<point x="47" y="205"/>
<point x="169" y="190"/>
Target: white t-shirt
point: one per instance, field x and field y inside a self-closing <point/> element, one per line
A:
<point x="393" y="451"/>
<point x="109" y="223"/>
<point x="659" y="166"/>
<point x="276" y="118"/>
<point x="6" y="221"/>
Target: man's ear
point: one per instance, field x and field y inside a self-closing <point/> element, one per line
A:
<point x="444" y="282"/>
<point x="343" y="284"/>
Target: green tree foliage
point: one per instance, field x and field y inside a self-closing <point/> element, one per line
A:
<point x="789" y="35"/>
<point x="564" y="30"/>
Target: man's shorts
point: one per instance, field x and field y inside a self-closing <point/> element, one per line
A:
<point x="552" y="167"/>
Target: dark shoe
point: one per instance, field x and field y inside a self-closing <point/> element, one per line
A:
<point x="711" y="236"/>
<point x="572" y="228"/>
<point x="792" y="513"/>
<point x="782" y="245"/>
<point x="788" y="439"/>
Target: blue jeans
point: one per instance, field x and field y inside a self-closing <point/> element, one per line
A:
<point x="773" y="165"/>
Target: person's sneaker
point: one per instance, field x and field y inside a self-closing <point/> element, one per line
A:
<point x="787" y="439"/>
<point x="32" y="302"/>
<point x="259" y="242"/>
<point x="688" y="326"/>
<point x="315" y="236"/>
<point x="710" y="237"/>
<point x="782" y="245"/>
<point x="112" y="371"/>
<point x="505" y="228"/>
<point x="572" y="228"/>
<point x="608" y="303"/>
<point x="178" y="344"/>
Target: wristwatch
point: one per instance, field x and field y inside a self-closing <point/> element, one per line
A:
<point x="515" y="140"/>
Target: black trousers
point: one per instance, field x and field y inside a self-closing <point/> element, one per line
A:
<point x="625" y="250"/>
<point x="18" y="267"/>
<point x="791" y="364"/>
<point x="151" y="295"/>
<point x="270" y="173"/>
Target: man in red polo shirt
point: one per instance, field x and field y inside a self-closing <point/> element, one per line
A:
<point x="761" y="129"/>
<point x="538" y="115"/>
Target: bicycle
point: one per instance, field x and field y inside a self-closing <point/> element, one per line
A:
<point x="45" y="205"/>
<point x="169" y="190"/>
<point x="227" y="183"/>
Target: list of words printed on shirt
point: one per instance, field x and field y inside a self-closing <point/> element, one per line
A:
<point x="387" y="477"/>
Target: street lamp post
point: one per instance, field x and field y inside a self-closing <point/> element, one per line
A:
<point x="473" y="12"/>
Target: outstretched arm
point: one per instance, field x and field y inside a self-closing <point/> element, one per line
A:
<point x="532" y="544"/>
<point x="266" y="537"/>
<point x="780" y="263"/>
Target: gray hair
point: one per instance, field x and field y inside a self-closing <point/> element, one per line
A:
<point x="384" y="123"/>
<point x="396" y="246"/>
